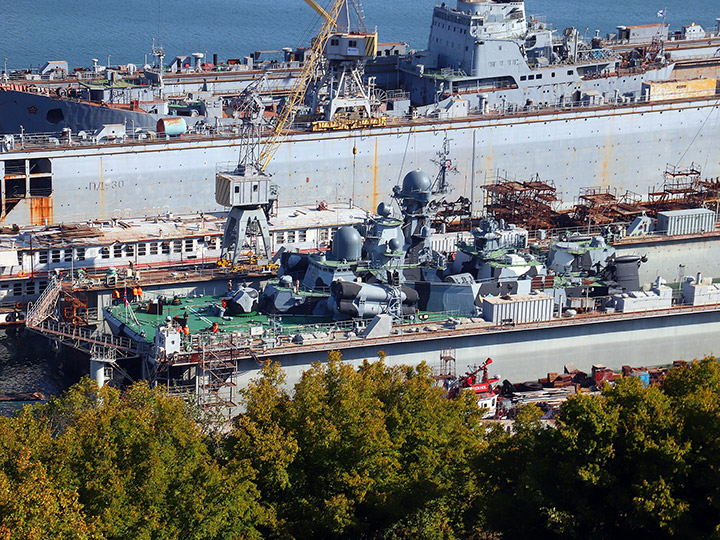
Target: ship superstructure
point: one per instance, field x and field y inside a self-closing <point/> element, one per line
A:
<point x="488" y="52"/>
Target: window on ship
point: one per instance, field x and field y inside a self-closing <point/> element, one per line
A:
<point x="105" y="252"/>
<point x="80" y="254"/>
<point x="117" y="250"/>
<point x="42" y="257"/>
<point x="30" y="287"/>
<point x="17" y="288"/>
<point x="165" y="248"/>
<point x="153" y="248"/>
<point x="67" y="255"/>
<point x="142" y="250"/>
<point x="41" y="177"/>
<point x="130" y="250"/>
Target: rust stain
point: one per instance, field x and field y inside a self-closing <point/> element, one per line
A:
<point x="607" y="155"/>
<point x="41" y="210"/>
<point x="375" y="177"/>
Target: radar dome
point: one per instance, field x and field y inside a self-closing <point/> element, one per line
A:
<point x="347" y="244"/>
<point x="394" y="245"/>
<point x="416" y="181"/>
<point x="384" y="209"/>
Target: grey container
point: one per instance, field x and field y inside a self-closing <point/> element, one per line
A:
<point x="690" y="221"/>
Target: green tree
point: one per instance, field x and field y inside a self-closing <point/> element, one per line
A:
<point x="32" y="503"/>
<point x="131" y="465"/>
<point x="377" y="451"/>
<point x="695" y="394"/>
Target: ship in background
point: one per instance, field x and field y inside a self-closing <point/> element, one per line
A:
<point x="495" y="86"/>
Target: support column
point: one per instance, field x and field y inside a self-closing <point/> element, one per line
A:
<point x="97" y="372"/>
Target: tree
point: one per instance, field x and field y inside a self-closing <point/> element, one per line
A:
<point x="377" y="451"/>
<point x="130" y="465"/>
<point x="694" y="392"/>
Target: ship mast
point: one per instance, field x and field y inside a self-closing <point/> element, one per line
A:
<point x="159" y="54"/>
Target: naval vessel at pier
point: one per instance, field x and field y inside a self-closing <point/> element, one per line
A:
<point x="382" y="288"/>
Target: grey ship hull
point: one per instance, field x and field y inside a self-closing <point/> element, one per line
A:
<point x="624" y="147"/>
<point x="38" y="113"/>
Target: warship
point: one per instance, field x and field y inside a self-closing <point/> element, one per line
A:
<point x="381" y="290"/>
<point x="494" y="84"/>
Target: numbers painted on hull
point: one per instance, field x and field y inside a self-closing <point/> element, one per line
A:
<point x="106" y="185"/>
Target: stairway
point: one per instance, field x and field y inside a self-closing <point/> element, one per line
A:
<point x="44" y="306"/>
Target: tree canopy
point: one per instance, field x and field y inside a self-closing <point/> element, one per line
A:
<point x="377" y="452"/>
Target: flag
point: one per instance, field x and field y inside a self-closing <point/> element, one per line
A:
<point x="661" y="13"/>
<point x="125" y="298"/>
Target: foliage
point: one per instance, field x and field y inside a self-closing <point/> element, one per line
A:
<point x="638" y="461"/>
<point x="373" y="451"/>
<point x="107" y="465"/>
<point x="366" y="452"/>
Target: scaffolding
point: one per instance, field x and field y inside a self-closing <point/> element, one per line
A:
<point x="532" y="203"/>
<point x="602" y="206"/>
<point x="684" y="188"/>
<point x="448" y="365"/>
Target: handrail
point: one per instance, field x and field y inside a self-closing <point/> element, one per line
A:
<point x="41" y="308"/>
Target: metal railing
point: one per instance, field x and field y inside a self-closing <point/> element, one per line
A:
<point x="27" y="141"/>
<point x="39" y="310"/>
<point x="86" y="339"/>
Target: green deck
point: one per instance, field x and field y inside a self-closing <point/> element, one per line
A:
<point x="202" y="313"/>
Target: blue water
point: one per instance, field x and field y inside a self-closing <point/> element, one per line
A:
<point x="29" y="364"/>
<point x="33" y="31"/>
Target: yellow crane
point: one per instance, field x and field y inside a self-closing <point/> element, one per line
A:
<point x="285" y="118"/>
<point x="247" y="189"/>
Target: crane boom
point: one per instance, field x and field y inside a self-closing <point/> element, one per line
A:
<point x="324" y="14"/>
<point x="285" y="118"/>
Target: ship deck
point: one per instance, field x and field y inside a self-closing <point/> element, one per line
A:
<point x="202" y="312"/>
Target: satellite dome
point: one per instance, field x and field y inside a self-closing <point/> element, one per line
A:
<point x="394" y="245"/>
<point x="416" y="181"/>
<point x="347" y="244"/>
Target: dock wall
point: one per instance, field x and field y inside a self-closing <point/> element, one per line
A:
<point x="625" y="147"/>
<point x="528" y="353"/>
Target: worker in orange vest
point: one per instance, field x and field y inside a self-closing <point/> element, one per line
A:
<point x="215" y="328"/>
<point x="139" y="293"/>
<point x="115" y="297"/>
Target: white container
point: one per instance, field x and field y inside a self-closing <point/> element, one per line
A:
<point x="690" y="221"/>
<point x="519" y="308"/>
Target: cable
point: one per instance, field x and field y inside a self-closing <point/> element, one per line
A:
<point x="402" y="164"/>
<point x="712" y="109"/>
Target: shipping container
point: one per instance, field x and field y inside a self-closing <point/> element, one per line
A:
<point x="690" y="221"/>
<point x="519" y="308"/>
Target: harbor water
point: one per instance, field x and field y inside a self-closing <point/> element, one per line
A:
<point x="35" y="31"/>
<point x="29" y="364"/>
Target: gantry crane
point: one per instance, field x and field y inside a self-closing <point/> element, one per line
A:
<point x="247" y="188"/>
